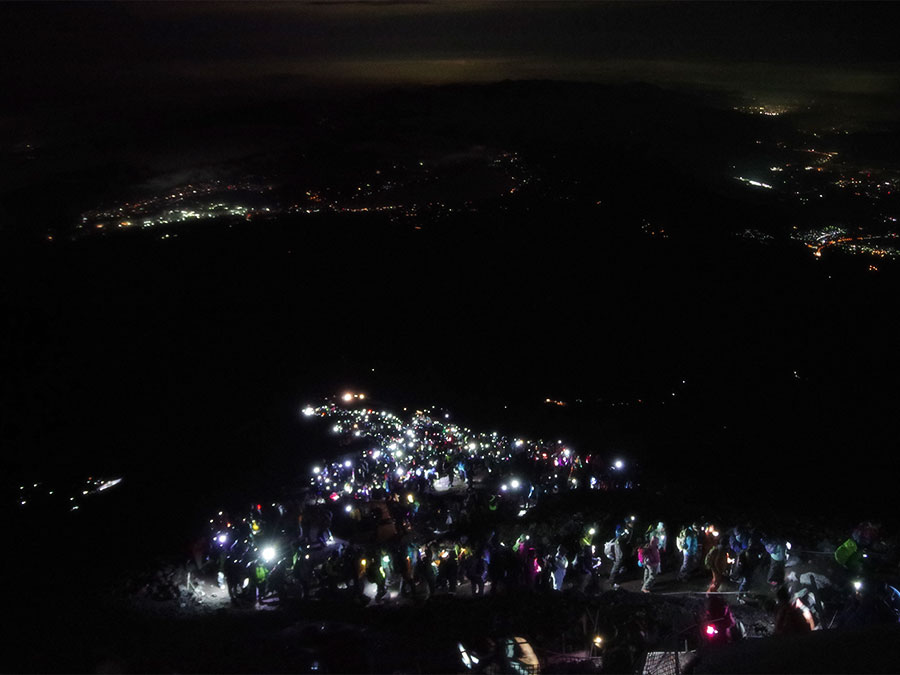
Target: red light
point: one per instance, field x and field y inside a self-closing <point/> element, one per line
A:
<point x="259" y="507"/>
<point x="711" y="630"/>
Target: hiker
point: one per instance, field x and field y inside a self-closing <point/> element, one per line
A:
<point x="613" y="551"/>
<point x="476" y="572"/>
<point x="648" y="556"/>
<point x="720" y="626"/>
<point x="560" y="565"/>
<point x="688" y="543"/>
<point x="717" y="562"/>
<point x="775" y="547"/>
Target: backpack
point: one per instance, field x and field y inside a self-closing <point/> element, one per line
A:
<point x="641" y="556"/>
<point x="681" y="541"/>
<point x="609" y="549"/>
<point x="845" y="552"/>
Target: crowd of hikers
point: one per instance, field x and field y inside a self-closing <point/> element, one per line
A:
<point x="434" y="508"/>
<point x="396" y="548"/>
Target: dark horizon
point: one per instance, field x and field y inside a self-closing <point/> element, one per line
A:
<point x="87" y="58"/>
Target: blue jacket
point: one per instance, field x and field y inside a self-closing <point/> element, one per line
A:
<point x="691" y="543"/>
<point x="739" y="541"/>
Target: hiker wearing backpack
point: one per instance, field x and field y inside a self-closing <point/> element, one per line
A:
<point x="560" y="565"/>
<point x="648" y="557"/>
<point x="584" y="565"/>
<point x="716" y="561"/>
<point x="688" y="543"/>
<point x="777" y="550"/>
<point x="613" y="550"/>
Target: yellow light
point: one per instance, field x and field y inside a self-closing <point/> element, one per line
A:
<point x="598" y="640"/>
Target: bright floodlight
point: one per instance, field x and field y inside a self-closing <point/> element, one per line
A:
<point x="268" y="554"/>
<point x="619" y="464"/>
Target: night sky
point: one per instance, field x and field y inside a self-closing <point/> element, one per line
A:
<point x="140" y="58"/>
